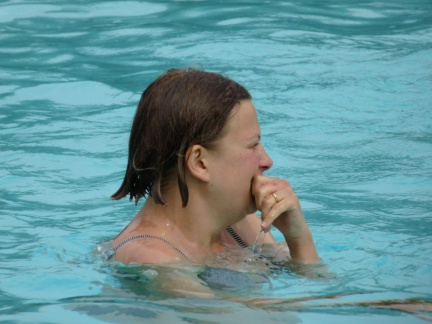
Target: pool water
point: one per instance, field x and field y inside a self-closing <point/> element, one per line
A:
<point x="343" y="92"/>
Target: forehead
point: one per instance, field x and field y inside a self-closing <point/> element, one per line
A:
<point x="243" y="121"/>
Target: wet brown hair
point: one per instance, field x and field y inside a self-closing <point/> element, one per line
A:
<point x="179" y="109"/>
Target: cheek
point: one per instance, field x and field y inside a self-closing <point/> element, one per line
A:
<point x="249" y="159"/>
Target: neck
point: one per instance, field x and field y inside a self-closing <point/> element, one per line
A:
<point x="193" y="229"/>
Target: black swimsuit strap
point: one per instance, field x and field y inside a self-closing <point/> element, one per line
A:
<point x="143" y="236"/>
<point x="236" y="237"/>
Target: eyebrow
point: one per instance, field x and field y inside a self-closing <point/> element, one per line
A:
<point x="256" y="136"/>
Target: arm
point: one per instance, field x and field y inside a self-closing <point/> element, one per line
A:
<point x="281" y="208"/>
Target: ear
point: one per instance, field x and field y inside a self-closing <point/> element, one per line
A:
<point x="197" y="162"/>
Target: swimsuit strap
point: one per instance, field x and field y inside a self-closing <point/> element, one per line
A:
<point x="143" y="236"/>
<point x="236" y="237"/>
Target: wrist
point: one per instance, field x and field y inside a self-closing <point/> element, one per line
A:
<point x="298" y="236"/>
<point x="302" y="248"/>
<point x="295" y="227"/>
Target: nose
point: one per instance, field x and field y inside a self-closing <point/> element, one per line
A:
<point x="265" y="161"/>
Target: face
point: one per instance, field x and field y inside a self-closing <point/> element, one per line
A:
<point x="238" y="156"/>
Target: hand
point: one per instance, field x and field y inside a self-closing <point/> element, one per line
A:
<point x="278" y="204"/>
<point x="280" y="207"/>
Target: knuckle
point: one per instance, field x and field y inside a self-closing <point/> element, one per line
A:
<point x="266" y="202"/>
<point x="281" y="184"/>
<point x="277" y="208"/>
<point x="286" y="183"/>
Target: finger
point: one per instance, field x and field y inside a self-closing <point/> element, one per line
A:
<point x="262" y="186"/>
<point x="272" y="218"/>
<point x="281" y="203"/>
<point x="273" y="206"/>
<point x="257" y="182"/>
<point x="267" y="205"/>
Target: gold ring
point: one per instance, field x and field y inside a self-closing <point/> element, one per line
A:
<point x="275" y="197"/>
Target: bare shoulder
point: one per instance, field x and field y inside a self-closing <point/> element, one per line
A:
<point x="149" y="250"/>
<point x="248" y="229"/>
<point x="173" y="275"/>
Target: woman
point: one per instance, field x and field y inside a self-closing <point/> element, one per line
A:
<point x="195" y="153"/>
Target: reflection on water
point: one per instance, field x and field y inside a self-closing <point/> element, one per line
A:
<point x="133" y="293"/>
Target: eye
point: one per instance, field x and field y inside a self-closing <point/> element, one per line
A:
<point x="255" y="144"/>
